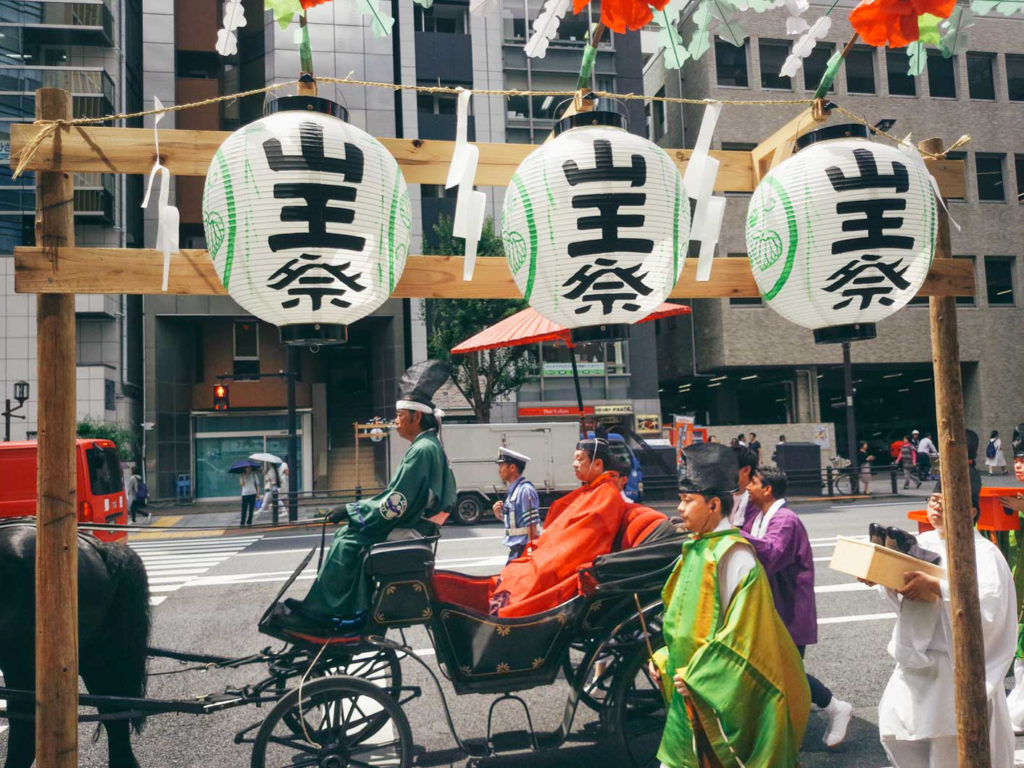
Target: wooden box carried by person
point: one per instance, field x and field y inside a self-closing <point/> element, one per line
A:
<point x="878" y="564"/>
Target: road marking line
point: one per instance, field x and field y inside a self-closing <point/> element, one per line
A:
<point x="857" y="617"/>
<point x="184" y="534"/>
<point x="855" y="586"/>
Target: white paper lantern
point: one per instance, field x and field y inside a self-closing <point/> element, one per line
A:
<point x="596" y="225"/>
<point x="841" y="235"/>
<point x="307" y="220"/>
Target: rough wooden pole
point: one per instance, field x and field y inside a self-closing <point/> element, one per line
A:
<point x="968" y="642"/>
<point x="57" y="526"/>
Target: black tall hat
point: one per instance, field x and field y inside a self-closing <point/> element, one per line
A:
<point x="419" y="383"/>
<point x="708" y="468"/>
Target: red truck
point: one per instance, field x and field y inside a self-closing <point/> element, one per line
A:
<point x="100" y="486"/>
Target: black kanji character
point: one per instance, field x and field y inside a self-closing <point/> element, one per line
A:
<point x="311" y="142"/>
<point x="874" y="223"/>
<point x="607" y="291"/>
<point x="609" y="220"/>
<point x="291" y="273"/>
<point x="869" y="178"/>
<point x="866" y="278"/>
<point x="316" y="214"/>
<point x="605" y="169"/>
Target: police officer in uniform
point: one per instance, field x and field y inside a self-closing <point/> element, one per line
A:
<point x="520" y="511"/>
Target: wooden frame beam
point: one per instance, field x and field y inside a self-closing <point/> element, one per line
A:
<point x="188" y="153"/>
<point x="112" y="270"/>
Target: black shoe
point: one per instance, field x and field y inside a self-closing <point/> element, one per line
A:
<point x="876" y="534"/>
<point x="900" y="540"/>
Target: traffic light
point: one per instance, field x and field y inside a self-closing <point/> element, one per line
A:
<point x="220" y="397"/>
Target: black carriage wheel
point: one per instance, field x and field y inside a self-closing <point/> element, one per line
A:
<point x="638" y="710"/>
<point x="336" y="711"/>
<point x="597" y="688"/>
<point x="382" y="668"/>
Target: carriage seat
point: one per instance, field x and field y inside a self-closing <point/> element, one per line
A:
<point x="638" y="523"/>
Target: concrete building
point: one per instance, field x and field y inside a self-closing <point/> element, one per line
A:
<point x="738" y="362"/>
<point x="191" y="341"/>
<point x="92" y="48"/>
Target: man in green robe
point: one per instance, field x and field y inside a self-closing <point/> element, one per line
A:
<point x="733" y="680"/>
<point x="422" y="487"/>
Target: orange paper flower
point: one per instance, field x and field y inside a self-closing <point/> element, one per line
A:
<point x="894" y="22"/>
<point x="313" y="3"/>
<point x="620" y="15"/>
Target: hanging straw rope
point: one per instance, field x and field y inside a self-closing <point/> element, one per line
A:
<point x="51" y="126"/>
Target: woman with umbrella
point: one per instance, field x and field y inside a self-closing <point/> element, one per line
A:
<point x="271" y="476"/>
<point x="248" y="481"/>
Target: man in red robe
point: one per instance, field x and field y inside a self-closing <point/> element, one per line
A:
<point x="580" y="526"/>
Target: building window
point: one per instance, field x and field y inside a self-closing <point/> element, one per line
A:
<point x="247" y="350"/>
<point x="816" y="64"/>
<point x="746" y="301"/>
<point x="773" y="56"/>
<point x="990" y="177"/>
<point x="897" y="70"/>
<point x="441" y="17"/>
<point x="1018" y="171"/>
<point x="980" y="83"/>
<point x="968" y="301"/>
<point x="731" y="64"/>
<point x="941" y="76"/>
<point x="1015" y="76"/>
<point x="435" y="103"/>
<point x="656" y="117"/>
<point x="860" y="70"/>
<point x="999" y="280"/>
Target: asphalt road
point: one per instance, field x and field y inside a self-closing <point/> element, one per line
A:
<point x="210" y="591"/>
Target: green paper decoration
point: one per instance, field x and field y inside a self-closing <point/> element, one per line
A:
<point x="917" y="58"/>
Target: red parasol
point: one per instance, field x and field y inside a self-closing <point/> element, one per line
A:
<point x="529" y="327"/>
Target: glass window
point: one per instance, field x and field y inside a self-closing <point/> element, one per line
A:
<point x="968" y="301"/>
<point x="941" y="76"/>
<point x="816" y="64"/>
<point x="657" y="116"/>
<point x="897" y="70"/>
<point x="999" y="280"/>
<point x="440" y="17"/>
<point x="731" y="64"/>
<point x="860" y="70"/>
<point x="747" y="301"/>
<point x="773" y="56"/>
<point x="980" y="83"/>
<point x="104" y="470"/>
<point x="1015" y="76"/>
<point x="247" y="350"/>
<point x="990" y="177"/>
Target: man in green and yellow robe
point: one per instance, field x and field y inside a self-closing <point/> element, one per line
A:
<point x="734" y="682"/>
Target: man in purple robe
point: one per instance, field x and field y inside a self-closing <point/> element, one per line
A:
<point x="781" y="543"/>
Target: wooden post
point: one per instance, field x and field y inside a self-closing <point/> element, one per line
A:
<point x="56" y="521"/>
<point x="968" y="641"/>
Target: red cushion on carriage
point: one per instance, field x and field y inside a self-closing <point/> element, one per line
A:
<point x="638" y="523"/>
<point x="459" y="589"/>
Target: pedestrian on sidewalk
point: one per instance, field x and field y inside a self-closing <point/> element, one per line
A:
<point x="927" y="456"/>
<point x="864" y="461"/>
<point x="271" y="481"/>
<point x="784" y="550"/>
<point x="994" y="458"/>
<point x="249" y="483"/>
<point x="916" y="721"/>
<point x="908" y="462"/>
<point x="131" y="491"/>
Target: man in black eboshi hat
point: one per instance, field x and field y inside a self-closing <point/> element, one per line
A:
<point x="422" y="486"/>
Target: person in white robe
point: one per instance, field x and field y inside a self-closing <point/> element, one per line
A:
<point x="916" y="716"/>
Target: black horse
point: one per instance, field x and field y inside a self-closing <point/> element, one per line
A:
<point x="113" y="634"/>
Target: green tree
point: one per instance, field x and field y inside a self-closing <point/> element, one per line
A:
<point x="118" y="434"/>
<point x="481" y="377"/>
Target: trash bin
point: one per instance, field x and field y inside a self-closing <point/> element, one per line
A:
<point x="802" y="464"/>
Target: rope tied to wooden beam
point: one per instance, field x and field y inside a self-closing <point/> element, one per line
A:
<point x="51" y="126"/>
<point x="965" y="139"/>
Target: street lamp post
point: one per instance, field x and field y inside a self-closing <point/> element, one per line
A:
<point x="21" y="395"/>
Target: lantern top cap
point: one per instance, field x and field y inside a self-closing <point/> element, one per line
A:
<point x="844" y="131"/>
<point x="307" y="104"/>
<point x="582" y="119"/>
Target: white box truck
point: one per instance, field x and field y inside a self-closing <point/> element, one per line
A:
<point x="473" y="448"/>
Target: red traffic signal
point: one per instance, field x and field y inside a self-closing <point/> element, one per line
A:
<point x="220" y="397"/>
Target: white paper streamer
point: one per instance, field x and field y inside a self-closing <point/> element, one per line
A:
<point x="699" y="180"/>
<point x="804" y="45"/>
<point x="470" y="204"/>
<point x="234" y="17"/>
<point x="168" y="217"/>
<point x="545" y="27"/>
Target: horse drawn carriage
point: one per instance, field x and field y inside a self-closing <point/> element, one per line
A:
<point x="337" y="700"/>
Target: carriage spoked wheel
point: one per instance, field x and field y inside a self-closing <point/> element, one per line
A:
<point x="381" y="667"/>
<point x="333" y="716"/>
<point x="637" y="710"/>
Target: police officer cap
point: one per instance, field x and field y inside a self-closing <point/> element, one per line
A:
<point x="708" y="468"/>
<point x="507" y="455"/>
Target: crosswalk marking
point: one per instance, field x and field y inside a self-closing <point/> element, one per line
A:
<point x="172" y="565"/>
